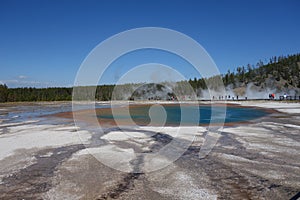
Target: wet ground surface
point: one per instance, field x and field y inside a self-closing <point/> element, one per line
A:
<point x="253" y="161"/>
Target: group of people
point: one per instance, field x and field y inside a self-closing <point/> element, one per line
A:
<point x="272" y="96"/>
<point x="228" y="97"/>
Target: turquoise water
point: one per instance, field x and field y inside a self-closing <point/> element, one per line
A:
<point x="188" y="114"/>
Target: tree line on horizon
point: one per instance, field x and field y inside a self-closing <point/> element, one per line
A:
<point x="282" y="69"/>
<point x="285" y="68"/>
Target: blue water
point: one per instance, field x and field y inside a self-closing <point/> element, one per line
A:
<point x="191" y="114"/>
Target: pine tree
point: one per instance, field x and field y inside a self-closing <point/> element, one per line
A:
<point x="3" y="93"/>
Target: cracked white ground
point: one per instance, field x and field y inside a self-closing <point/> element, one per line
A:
<point x="260" y="160"/>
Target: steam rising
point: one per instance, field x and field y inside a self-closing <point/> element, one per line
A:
<point x="183" y="91"/>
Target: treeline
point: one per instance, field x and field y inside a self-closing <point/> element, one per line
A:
<point x="283" y="70"/>
<point x="102" y="93"/>
<point x="34" y="94"/>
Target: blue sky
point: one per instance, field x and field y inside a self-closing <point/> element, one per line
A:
<point x="43" y="43"/>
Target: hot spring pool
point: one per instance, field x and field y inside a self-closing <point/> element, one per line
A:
<point x="184" y="114"/>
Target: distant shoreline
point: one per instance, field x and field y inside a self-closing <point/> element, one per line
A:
<point x="149" y="101"/>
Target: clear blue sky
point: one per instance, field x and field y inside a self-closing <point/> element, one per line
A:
<point x="43" y="43"/>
